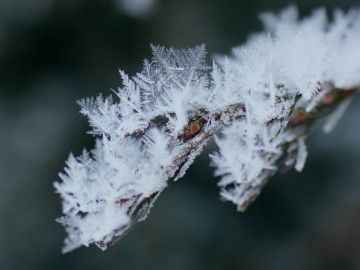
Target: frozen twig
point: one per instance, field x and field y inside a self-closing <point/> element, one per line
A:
<point x="260" y="104"/>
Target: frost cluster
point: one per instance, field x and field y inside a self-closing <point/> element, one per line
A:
<point x="153" y="127"/>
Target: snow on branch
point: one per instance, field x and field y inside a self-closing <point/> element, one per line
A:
<point x="260" y="103"/>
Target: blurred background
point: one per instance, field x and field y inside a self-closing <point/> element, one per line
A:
<point x="54" y="52"/>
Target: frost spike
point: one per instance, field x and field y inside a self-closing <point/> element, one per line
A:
<point x="260" y="103"/>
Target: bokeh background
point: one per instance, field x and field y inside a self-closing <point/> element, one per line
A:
<point x="54" y="52"/>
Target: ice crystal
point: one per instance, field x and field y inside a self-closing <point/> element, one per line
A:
<point x="260" y="101"/>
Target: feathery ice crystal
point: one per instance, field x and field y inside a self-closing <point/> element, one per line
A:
<point x="263" y="100"/>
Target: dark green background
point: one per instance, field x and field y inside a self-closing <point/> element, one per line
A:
<point x="54" y="52"/>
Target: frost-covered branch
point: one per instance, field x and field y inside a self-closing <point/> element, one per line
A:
<point x="259" y="103"/>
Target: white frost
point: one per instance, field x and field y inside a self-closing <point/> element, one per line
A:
<point x="142" y="141"/>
